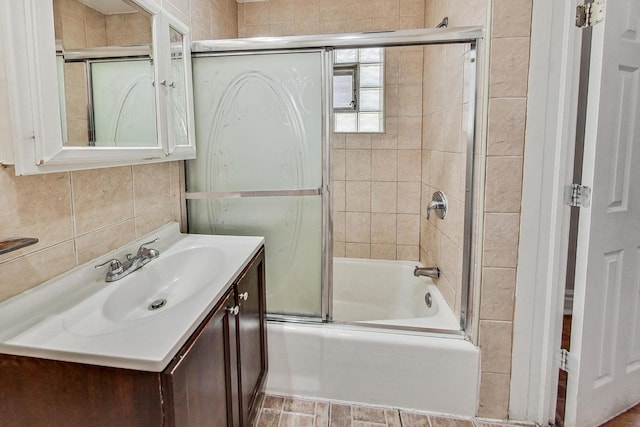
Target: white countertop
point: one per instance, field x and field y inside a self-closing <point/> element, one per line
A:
<point x="65" y="318"/>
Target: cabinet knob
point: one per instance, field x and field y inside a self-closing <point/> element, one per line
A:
<point x="234" y="310"/>
<point x="163" y="82"/>
<point x="172" y="85"/>
<point x="244" y="296"/>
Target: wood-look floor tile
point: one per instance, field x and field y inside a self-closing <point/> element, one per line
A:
<point x="299" y="406"/>
<point x="277" y="411"/>
<point x="393" y="418"/>
<point x="340" y="415"/>
<point x="449" y="422"/>
<point x="322" y="414"/>
<point x="490" y="424"/>
<point x="363" y="413"/>
<point x="414" y="420"/>
<point x="268" y="418"/>
<point x="273" y="402"/>
<point x="291" y="419"/>
<point x="356" y="423"/>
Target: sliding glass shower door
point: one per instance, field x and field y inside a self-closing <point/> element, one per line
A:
<point x="259" y="170"/>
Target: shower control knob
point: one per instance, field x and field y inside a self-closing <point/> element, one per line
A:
<point x="244" y="296"/>
<point x="234" y="310"/>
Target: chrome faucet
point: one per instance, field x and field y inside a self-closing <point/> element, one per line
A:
<point x="116" y="270"/>
<point x="433" y="272"/>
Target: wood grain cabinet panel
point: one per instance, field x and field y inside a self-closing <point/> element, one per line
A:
<point x="252" y="337"/>
<point x="196" y="384"/>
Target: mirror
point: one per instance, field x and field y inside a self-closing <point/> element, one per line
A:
<point x="106" y="73"/>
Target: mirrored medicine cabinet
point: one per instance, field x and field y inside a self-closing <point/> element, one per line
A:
<point x="96" y="83"/>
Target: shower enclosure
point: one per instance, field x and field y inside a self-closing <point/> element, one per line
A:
<point x="278" y="157"/>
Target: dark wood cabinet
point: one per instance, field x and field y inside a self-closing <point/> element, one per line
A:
<point x="252" y="345"/>
<point x="196" y="383"/>
<point x="214" y="380"/>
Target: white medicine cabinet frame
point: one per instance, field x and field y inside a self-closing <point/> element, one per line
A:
<point x="33" y="89"/>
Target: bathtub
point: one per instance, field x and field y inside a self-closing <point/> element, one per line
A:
<point x="387" y="292"/>
<point x="364" y="363"/>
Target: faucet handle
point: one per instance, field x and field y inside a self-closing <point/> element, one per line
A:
<point x="148" y="252"/>
<point x="115" y="266"/>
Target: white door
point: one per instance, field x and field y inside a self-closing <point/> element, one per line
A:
<point x="604" y="372"/>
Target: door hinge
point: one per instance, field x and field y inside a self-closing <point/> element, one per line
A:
<point x="565" y="357"/>
<point x="588" y="15"/>
<point x="577" y="195"/>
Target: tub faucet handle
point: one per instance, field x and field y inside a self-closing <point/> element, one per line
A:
<point x="438" y="204"/>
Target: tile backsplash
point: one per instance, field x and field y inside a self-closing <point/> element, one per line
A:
<point x="78" y="216"/>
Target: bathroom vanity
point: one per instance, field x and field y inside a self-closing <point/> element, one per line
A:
<point x="199" y="360"/>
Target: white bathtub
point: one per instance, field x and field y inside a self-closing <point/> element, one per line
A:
<point x="364" y="364"/>
<point x="387" y="292"/>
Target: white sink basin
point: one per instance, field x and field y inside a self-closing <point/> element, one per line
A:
<point x="166" y="281"/>
<point x="78" y="317"/>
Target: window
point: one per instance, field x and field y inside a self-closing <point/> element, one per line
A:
<point x="358" y="90"/>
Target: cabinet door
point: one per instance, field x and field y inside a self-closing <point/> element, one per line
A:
<point x="252" y="336"/>
<point x="197" y="385"/>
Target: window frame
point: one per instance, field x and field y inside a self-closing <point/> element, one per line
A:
<point x="354" y="69"/>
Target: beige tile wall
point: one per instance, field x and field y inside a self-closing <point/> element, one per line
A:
<point x="509" y="68"/>
<point x="210" y="19"/>
<point x="78" y="216"/>
<point x="295" y="17"/>
<point x="78" y="26"/>
<point x="375" y="178"/>
<point x="508" y="77"/>
<point x="125" y="29"/>
<point x="444" y="162"/>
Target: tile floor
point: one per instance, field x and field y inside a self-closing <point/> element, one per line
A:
<point x="277" y="411"/>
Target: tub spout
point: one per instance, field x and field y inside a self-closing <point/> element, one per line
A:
<point x="433" y="272"/>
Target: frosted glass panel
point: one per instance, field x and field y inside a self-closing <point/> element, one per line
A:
<point x="259" y="122"/>
<point x="343" y="56"/>
<point x="371" y="55"/>
<point x="346" y="122"/>
<point x="370" y="99"/>
<point x="259" y="128"/>
<point x="124" y="104"/>
<point x="292" y="227"/>
<point x="370" y="122"/>
<point x="371" y="75"/>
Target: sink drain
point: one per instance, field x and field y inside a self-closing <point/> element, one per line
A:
<point x="159" y="303"/>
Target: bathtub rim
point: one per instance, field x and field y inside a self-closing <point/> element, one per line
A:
<point x="357" y="326"/>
